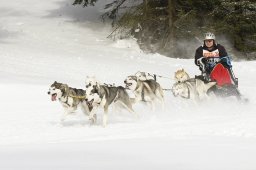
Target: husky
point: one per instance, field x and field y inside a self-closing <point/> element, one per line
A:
<point x="144" y="76"/>
<point x="181" y="76"/>
<point x="195" y="89"/>
<point x="69" y="97"/>
<point x="104" y="96"/>
<point x="148" y="91"/>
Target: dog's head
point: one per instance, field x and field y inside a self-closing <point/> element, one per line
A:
<point x="92" y="85"/>
<point x="181" y="75"/>
<point x="131" y="82"/>
<point x="90" y="90"/>
<point x="57" y="90"/>
<point x="91" y="81"/>
<point x="144" y="76"/>
<point x="93" y="99"/>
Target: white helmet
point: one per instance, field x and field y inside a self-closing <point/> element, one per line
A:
<point x="209" y="36"/>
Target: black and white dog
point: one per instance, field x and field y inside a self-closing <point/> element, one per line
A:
<point x="69" y="97"/>
<point x="148" y="91"/>
<point x="104" y="96"/>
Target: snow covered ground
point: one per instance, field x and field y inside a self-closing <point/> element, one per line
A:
<point x="44" y="41"/>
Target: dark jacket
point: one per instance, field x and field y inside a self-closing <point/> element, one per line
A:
<point x="217" y="52"/>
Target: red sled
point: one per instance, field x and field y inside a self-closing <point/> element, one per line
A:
<point x="226" y="84"/>
<point x="221" y="75"/>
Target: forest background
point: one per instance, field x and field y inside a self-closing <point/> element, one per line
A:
<point x="174" y="28"/>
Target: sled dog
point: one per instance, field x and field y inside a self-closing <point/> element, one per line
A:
<point x="195" y="89"/>
<point x="144" y="76"/>
<point x="69" y="97"/>
<point x="148" y="91"/>
<point x="181" y="76"/>
<point x="104" y="95"/>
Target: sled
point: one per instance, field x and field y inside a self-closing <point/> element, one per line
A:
<point x="226" y="82"/>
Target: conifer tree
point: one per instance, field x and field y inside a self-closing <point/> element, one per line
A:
<point x="158" y="25"/>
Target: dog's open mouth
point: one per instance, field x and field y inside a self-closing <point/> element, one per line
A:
<point x="54" y="96"/>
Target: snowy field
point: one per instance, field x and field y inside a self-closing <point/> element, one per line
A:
<point x="44" y="41"/>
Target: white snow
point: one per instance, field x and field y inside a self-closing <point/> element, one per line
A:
<point x="44" y="41"/>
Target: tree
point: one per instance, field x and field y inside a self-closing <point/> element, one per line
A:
<point x="238" y="20"/>
<point x="165" y="26"/>
<point x="85" y="2"/>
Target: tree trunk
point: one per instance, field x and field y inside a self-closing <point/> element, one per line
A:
<point x="171" y="9"/>
<point x="145" y="10"/>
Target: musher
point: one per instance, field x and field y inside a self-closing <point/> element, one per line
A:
<point x="214" y="62"/>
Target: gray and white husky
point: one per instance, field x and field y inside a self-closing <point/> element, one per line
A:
<point x="148" y="91"/>
<point x="104" y="96"/>
<point x="69" y="97"/>
<point x="195" y="89"/>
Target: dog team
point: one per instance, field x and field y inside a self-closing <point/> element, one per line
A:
<point x="143" y="85"/>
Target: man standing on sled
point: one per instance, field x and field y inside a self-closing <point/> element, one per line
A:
<point x="214" y="62"/>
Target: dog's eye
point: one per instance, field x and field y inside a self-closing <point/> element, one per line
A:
<point x="53" y="88"/>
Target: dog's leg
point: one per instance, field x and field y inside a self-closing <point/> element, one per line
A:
<point x="85" y="108"/>
<point x="93" y="116"/>
<point x="105" y="115"/>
